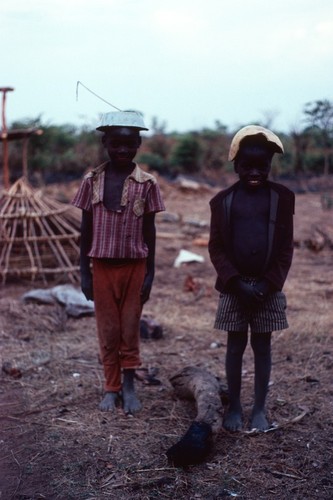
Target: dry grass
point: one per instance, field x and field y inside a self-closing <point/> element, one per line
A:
<point x="56" y="444"/>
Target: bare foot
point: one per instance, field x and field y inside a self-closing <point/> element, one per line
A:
<point x="108" y="403"/>
<point x="131" y="403"/>
<point x="259" y="421"/>
<point x="233" y="420"/>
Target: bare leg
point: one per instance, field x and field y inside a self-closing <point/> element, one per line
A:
<point x="235" y="349"/>
<point x="108" y="403"/>
<point x="261" y="345"/>
<point x="131" y="404"/>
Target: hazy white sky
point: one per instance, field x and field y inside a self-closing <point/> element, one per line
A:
<point x="187" y="62"/>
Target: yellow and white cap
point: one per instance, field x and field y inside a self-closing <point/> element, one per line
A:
<point x="250" y="130"/>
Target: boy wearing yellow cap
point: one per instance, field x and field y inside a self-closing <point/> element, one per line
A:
<point x="118" y="201"/>
<point x="251" y="248"/>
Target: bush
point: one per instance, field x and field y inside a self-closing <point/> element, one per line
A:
<point x="187" y="154"/>
<point x="153" y="161"/>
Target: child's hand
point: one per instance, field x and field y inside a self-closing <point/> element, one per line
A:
<point x="87" y="285"/>
<point x="146" y="288"/>
<point x="262" y="289"/>
<point x="247" y="293"/>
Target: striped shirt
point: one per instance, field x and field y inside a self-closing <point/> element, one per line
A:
<point x="118" y="234"/>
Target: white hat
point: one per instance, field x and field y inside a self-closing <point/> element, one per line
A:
<point x="131" y="119"/>
<point x="253" y="130"/>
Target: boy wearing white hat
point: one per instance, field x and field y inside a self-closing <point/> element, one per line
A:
<point x="251" y="248"/>
<point x="119" y="202"/>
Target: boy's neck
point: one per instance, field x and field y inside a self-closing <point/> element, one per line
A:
<point x="122" y="170"/>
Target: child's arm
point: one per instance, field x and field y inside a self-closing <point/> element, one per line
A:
<point x="86" y="239"/>
<point x="228" y="276"/>
<point x="149" y="236"/>
<point x="218" y="255"/>
<point x="278" y="270"/>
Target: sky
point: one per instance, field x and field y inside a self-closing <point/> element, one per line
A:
<point x="187" y="63"/>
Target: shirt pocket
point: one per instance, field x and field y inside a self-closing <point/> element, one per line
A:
<point x="139" y="207"/>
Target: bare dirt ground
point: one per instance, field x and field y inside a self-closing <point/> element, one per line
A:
<point x="56" y="444"/>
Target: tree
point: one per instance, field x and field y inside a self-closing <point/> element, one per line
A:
<point x="300" y="140"/>
<point x="319" y="115"/>
<point x="60" y="153"/>
<point x="214" y="146"/>
<point x="158" y="143"/>
<point x="187" y="154"/>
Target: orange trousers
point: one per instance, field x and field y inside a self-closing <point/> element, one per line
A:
<point x="118" y="311"/>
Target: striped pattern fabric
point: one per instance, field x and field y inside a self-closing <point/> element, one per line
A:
<point x="269" y="316"/>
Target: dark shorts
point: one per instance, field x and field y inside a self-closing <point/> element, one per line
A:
<point x="269" y="316"/>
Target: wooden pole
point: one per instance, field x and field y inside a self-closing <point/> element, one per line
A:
<point x="4" y="91"/>
<point x="25" y="157"/>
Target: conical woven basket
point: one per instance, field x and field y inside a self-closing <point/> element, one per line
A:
<point x="39" y="236"/>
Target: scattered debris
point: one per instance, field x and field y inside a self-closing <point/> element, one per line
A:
<point x="147" y="375"/>
<point x="193" y="447"/>
<point x="74" y="300"/>
<point x="198" y="384"/>
<point x="215" y="345"/>
<point x="71" y="297"/>
<point x="319" y="240"/>
<point x="187" y="257"/>
<point x="201" y="241"/>
<point x="11" y="370"/>
<point x="187" y="184"/>
<point x="207" y="390"/>
<point x="19" y="367"/>
<point x="326" y="201"/>
<point x="276" y="426"/>
<point x="170" y="236"/>
<point x="195" y="222"/>
<point x="197" y="286"/>
<point x="169" y="217"/>
<point x="76" y="305"/>
<point x="150" y="329"/>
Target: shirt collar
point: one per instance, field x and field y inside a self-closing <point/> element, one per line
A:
<point x="137" y="175"/>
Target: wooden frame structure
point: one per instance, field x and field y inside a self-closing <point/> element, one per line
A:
<point x="39" y="236"/>
<point x="4" y="136"/>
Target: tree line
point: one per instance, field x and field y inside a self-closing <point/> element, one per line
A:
<point x="66" y="152"/>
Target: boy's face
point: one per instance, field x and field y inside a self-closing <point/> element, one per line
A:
<point x="253" y="165"/>
<point x="122" y="144"/>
